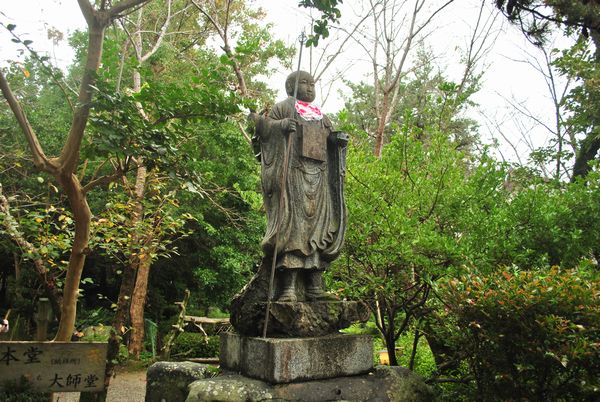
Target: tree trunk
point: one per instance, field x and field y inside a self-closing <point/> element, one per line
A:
<point x="390" y="345"/>
<point x="121" y="319"/>
<point x="587" y="152"/>
<point x="114" y="342"/>
<point x="389" y="332"/>
<point x="138" y="302"/>
<point x="138" y="264"/>
<point x="381" y="123"/>
<point x="82" y="217"/>
<point x="591" y="143"/>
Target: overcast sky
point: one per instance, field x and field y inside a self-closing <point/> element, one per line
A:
<point x="504" y="76"/>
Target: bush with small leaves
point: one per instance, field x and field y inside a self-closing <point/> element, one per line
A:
<point x="530" y="335"/>
<point x="190" y="344"/>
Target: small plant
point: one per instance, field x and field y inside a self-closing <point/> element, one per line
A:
<point x="20" y="391"/>
<point x="190" y="344"/>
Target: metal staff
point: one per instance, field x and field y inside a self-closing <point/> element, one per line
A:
<point x="282" y="189"/>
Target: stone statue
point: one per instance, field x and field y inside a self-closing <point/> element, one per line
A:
<point x="303" y="162"/>
<point x="308" y="220"/>
<point x="303" y="166"/>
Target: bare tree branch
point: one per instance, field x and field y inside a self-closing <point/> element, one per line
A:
<point x="125" y="5"/>
<point x="87" y="10"/>
<point x="332" y="58"/>
<point x="40" y="159"/>
<point x="161" y="35"/>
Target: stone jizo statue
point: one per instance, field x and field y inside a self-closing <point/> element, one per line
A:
<point x="306" y="214"/>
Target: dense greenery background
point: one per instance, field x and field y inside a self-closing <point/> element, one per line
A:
<point x="484" y="272"/>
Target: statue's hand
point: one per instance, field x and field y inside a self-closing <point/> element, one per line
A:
<point x="288" y="125"/>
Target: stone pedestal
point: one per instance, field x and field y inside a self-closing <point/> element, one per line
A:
<point x="284" y="360"/>
<point x="383" y="384"/>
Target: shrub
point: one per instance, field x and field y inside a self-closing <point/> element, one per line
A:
<point x="20" y="391"/>
<point x="527" y="335"/>
<point x="190" y="344"/>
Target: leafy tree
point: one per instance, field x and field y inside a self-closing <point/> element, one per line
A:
<point x="158" y="125"/>
<point x="22" y="185"/>
<point x="425" y="212"/>
<point x="400" y="235"/>
<point x="582" y="104"/>
<point x="63" y="168"/>
<point x="536" y="18"/>
<point x="330" y="13"/>
<point x="516" y="218"/>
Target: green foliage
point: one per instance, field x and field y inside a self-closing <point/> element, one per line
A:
<point x="426" y="211"/>
<point x="215" y="312"/>
<point x="424" y="363"/>
<point x="44" y="103"/>
<point x="397" y="208"/>
<point x="20" y="391"/>
<point x="96" y="333"/>
<point x="121" y="131"/>
<point x="94" y="318"/>
<point x="114" y="234"/>
<point x="580" y="63"/>
<point x="401" y="235"/>
<point x="582" y="104"/>
<point x="202" y="174"/>
<point x="526" y="335"/>
<point x="367" y="328"/>
<point x="151" y="331"/>
<point x="330" y="13"/>
<point x="191" y="344"/>
<point x="123" y="355"/>
<point x="509" y="218"/>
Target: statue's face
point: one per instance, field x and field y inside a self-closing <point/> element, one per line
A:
<point x="306" y="88"/>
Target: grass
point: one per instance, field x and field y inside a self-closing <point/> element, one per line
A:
<point x="424" y="361"/>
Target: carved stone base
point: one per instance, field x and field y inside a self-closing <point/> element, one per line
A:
<point x="304" y="319"/>
<point x="283" y="360"/>
<point x="290" y="319"/>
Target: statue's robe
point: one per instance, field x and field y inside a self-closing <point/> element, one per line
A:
<point x="309" y="226"/>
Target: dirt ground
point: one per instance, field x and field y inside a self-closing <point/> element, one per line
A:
<point x="126" y="386"/>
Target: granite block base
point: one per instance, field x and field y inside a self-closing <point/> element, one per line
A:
<point x="284" y="360"/>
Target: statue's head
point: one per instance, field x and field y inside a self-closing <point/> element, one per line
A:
<point x="306" y="86"/>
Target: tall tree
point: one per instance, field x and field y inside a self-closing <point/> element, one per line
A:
<point x="63" y="167"/>
<point x="134" y="284"/>
<point x="400" y="238"/>
<point x="146" y="106"/>
<point x="536" y="18"/>
<point x="425" y="97"/>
